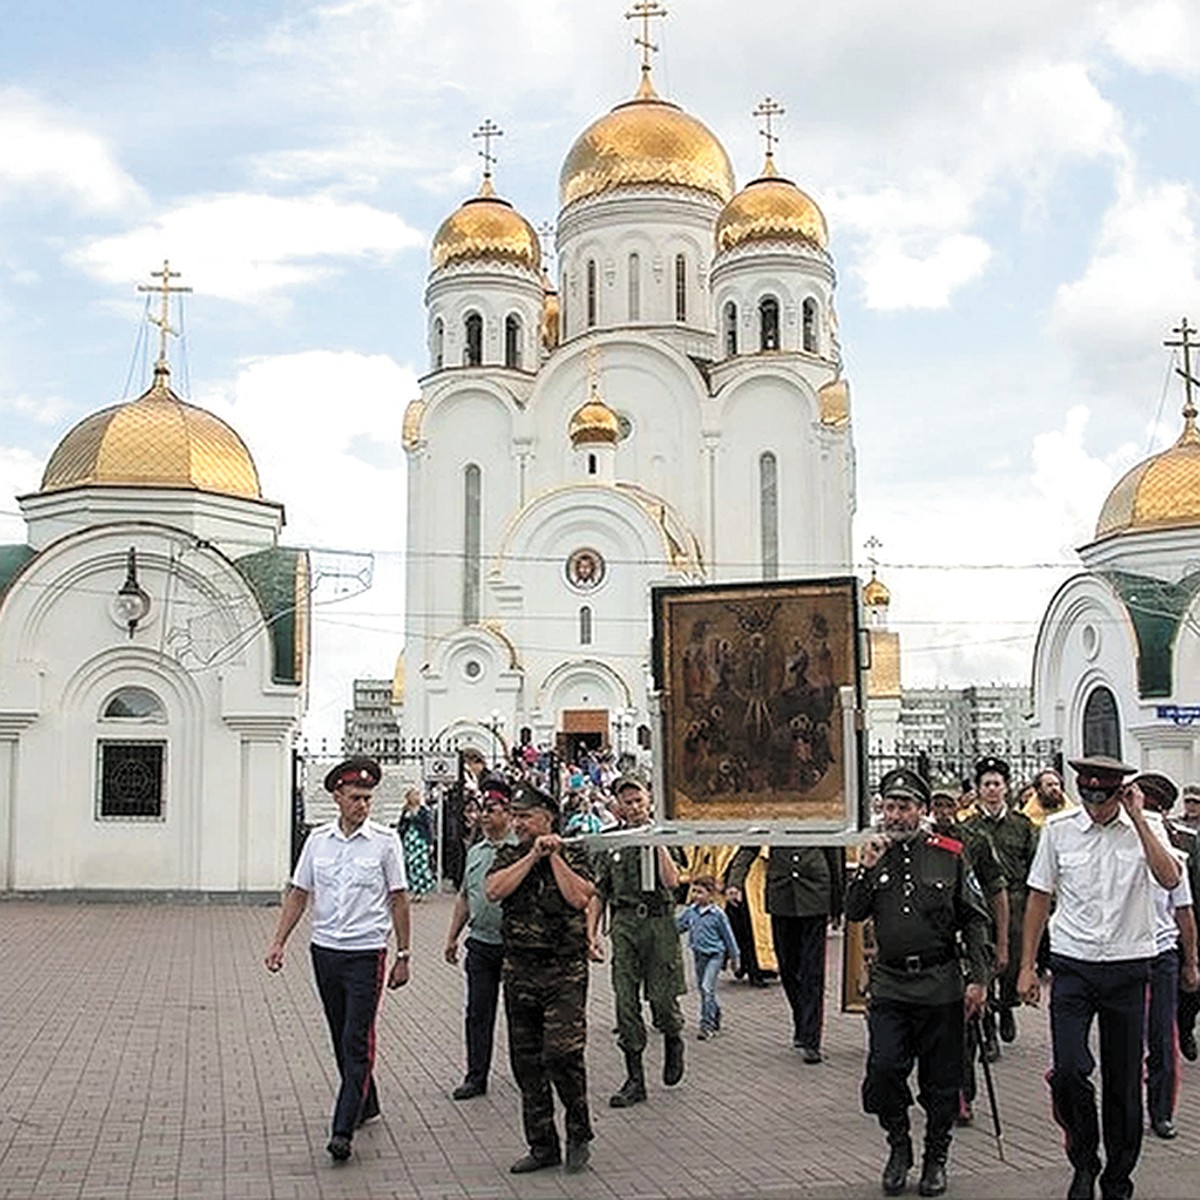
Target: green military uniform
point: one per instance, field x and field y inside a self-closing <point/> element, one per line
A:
<point x="923" y="899"/>
<point x="1014" y="839"/>
<point x="545" y="977"/>
<point x="646" y="950"/>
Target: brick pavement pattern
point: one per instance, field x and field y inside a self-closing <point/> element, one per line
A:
<point x="146" y="1052"/>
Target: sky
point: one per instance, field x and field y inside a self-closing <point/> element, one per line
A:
<point x="1012" y="193"/>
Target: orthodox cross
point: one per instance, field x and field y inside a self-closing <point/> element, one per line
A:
<point x="643" y="11"/>
<point x="767" y="109"/>
<point x="1185" y="342"/>
<point x="488" y="130"/>
<point x="593" y="372"/>
<point x="871" y="546"/>
<point x="163" y="320"/>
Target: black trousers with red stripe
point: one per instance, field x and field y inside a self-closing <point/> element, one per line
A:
<point x="350" y="983"/>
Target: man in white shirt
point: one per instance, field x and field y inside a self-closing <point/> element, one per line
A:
<point x="354" y="871"/>
<point x="1101" y="861"/>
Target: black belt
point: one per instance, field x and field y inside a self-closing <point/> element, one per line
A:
<point x="912" y="963"/>
<point x="641" y="908"/>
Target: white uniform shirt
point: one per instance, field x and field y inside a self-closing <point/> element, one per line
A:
<point x="351" y="880"/>
<point x="1166" y="928"/>
<point x="1105" y="910"/>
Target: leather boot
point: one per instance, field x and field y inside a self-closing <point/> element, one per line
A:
<point x="633" y="1090"/>
<point x="933" y="1166"/>
<point x="672" y="1060"/>
<point x="895" y="1173"/>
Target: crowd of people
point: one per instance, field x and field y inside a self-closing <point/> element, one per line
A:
<point x="976" y="899"/>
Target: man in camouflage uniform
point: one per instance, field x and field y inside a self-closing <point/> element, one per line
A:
<point x="943" y="805"/>
<point x="646" y="950"/>
<point x="543" y="887"/>
<point x="922" y="897"/>
<point x="1014" y="839"/>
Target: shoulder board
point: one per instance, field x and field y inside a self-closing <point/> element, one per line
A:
<point x="942" y="842"/>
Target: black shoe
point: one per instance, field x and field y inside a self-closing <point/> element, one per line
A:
<point x="895" y="1173"/>
<point x="578" y="1154"/>
<point x="933" y="1177"/>
<point x="468" y="1091"/>
<point x="811" y="1054"/>
<point x="672" y="1060"/>
<point x="633" y="1090"/>
<point x="1008" y="1025"/>
<point x="990" y="1048"/>
<point x="339" y="1147"/>
<point x="1083" y="1185"/>
<point x="369" y="1117"/>
<point x="535" y="1162"/>
<point x="1187" y="1046"/>
<point x="1164" y="1129"/>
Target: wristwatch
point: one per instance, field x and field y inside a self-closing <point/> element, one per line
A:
<point x="405" y="953"/>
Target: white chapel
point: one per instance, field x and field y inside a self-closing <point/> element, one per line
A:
<point x="674" y="411"/>
<point x="153" y="652"/>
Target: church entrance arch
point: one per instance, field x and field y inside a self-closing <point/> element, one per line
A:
<point x="581" y="698"/>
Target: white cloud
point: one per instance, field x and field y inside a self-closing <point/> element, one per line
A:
<point x="1144" y="273"/>
<point x="897" y="278"/>
<point x="44" y="410"/>
<point x="249" y="248"/>
<point x="1162" y="35"/>
<point x="42" y="151"/>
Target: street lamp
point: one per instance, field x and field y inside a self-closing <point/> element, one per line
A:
<point x="132" y="603"/>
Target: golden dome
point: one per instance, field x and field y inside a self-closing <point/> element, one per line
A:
<point x="410" y="427"/>
<point x="595" y="423"/>
<point x="154" y="441"/>
<point x="1161" y="493"/>
<point x="771" y="209"/>
<point x="646" y="140"/>
<point x="398" y="682"/>
<point x="833" y="399"/>
<point x="486" y="227"/>
<point x="876" y="594"/>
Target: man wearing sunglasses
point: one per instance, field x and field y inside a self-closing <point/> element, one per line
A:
<point x="1101" y="861"/>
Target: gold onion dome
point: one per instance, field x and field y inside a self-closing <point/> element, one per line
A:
<point x="1161" y="493"/>
<point x="486" y="228"/>
<point x="771" y="209"/>
<point x="551" y="313"/>
<point x="646" y="140"/>
<point x="595" y="423"/>
<point x="156" y="440"/>
<point x="876" y="594"/>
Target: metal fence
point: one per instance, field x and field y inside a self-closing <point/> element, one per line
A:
<point x="944" y="765"/>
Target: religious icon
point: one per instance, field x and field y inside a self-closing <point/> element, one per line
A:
<point x="585" y="569"/>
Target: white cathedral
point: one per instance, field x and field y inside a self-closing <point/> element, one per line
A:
<point x="673" y="412"/>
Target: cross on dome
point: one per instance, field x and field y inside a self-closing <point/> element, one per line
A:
<point x="488" y="130"/>
<point x="1185" y="343"/>
<point x="163" y="319"/>
<point x="768" y="109"/>
<point x="644" y="11"/>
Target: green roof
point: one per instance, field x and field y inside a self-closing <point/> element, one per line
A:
<point x="1157" y="609"/>
<point x="278" y="578"/>
<point x="12" y="559"/>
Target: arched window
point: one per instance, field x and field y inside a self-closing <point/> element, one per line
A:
<point x="591" y="292"/>
<point x="439" y="344"/>
<point x="585" y="626"/>
<point x="512" y="341"/>
<point x="680" y="287"/>
<point x="134" y="704"/>
<point x="768" y="508"/>
<point x="635" y="287"/>
<point x="644" y="737"/>
<point x="591" y="464"/>
<point x="562" y="301"/>
<point x="768" y="323"/>
<point x="730" y="329"/>
<point x="809" y="311"/>
<point x="1101" y="724"/>
<point x="473" y="350"/>
<point x="472" y="515"/>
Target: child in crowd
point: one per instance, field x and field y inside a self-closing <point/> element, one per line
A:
<point x="711" y="938"/>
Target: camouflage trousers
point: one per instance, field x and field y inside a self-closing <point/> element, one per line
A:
<point x="545" y="1004"/>
<point x="646" y="954"/>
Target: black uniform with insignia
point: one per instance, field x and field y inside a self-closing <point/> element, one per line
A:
<point x="545" y="977"/>
<point x="927" y="910"/>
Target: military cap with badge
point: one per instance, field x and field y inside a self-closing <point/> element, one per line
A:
<point x="358" y="770"/>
